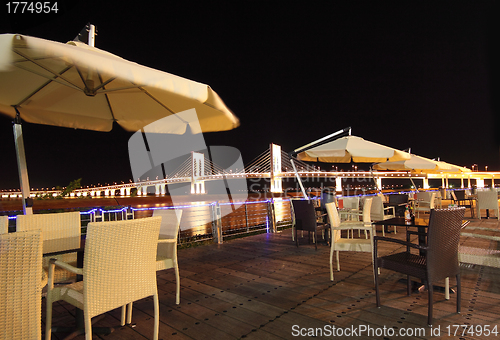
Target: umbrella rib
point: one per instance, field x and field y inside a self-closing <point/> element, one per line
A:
<point x="104" y="84"/>
<point x="121" y="89"/>
<point x="56" y="74"/>
<point x="156" y="100"/>
<point x="45" y="84"/>
<point x="69" y="84"/>
<point x="106" y="96"/>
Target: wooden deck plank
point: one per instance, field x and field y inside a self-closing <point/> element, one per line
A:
<point x="262" y="286"/>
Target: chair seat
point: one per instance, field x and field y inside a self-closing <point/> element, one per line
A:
<point x="406" y="263"/>
<point x="71" y="293"/>
<point x="361" y="244"/>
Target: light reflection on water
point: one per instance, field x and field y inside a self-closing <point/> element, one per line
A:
<point x="197" y="217"/>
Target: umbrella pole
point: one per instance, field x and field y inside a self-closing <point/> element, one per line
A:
<point x="411" y="179"/>
<point x="374" y="179"/>
<point x="298" y="179"/>
<point x="21" y="166"/>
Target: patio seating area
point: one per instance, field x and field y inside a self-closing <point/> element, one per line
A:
<point x="264" y="287"/>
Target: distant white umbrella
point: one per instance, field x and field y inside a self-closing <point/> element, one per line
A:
<point x="420" y="164"/>
<point x="352" y="149"/>
<point x="79" y="86"/>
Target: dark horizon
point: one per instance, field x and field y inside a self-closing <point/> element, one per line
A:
<point x="414" y="74"/>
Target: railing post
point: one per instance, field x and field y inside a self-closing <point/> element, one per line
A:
<point x="246" y="216"/>
<point x="216" y="223"/>
<point x="271" y="215"/>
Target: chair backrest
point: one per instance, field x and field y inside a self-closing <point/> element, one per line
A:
<point x="351" y="202"/>
<point x="367" y="208"/>
<point x="327" y="197"/>
<point x="333" y="214"/>
<point x="170" y="222"/>
<point x="432" y="200"/>
<point x="4" y="224"/>
<point x="442" y="239"/>
<point x="399" y="198"/>
<point x="377" y="210"/>
<point x="424" y="196"/>
<point x="305" y="214"/>
<point x="487" y="199"/>
<point x="119" y="264"/>
<point x="53" y="225"/>
<point x="20" y="288"/>
<point x="460" y="194"/>
<point x="454" y="195"/>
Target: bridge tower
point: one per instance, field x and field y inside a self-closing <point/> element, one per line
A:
<point x="197" y="172"/>
<point x="276" y="181"/>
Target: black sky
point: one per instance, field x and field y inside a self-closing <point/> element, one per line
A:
<point x="405" y="74"/>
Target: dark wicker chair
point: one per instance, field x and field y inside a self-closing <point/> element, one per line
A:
<point x="462" y="200"/>
<point x="436" y="261"/>
<point x="305" y="218"/>
<point x="399" y="202"/>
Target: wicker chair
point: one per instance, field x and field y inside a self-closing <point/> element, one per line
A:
<point x="438" y="259"/>
<point x="20" y="290"/>
<point x="54" y="226"/>
<point x="460" y="199"/>
<point x="166" y="254"/>
<point x="399" y="202"/>
<point x="305" y="219"/>
<point x="339" y="243"/>
<point x="379" y="213"/>
<point x="487" y="200"/>
<point x="425" y="203"/>
<point x="4" y="224"/>
<point x="351" y="209"/>
<point x="119" y="267"/>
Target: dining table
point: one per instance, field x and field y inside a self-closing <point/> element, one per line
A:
<point x="66" y="245"/>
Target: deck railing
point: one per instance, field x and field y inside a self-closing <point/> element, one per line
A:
<point x="214" y="221"/>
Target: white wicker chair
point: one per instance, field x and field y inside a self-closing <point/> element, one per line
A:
<point x="487" y="200"/>
<point x="54" y="226"/>
<point x="425" y="203"/>
<point x="4" y="224"/>
<point x="166" y="255"/>
<point x="119" y="267"/>
<point x="20" y="290"/>
<point x="379" y="213"/>
<point x="339" y="243"/>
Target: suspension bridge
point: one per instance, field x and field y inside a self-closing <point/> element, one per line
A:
<point x="273" y="164"/>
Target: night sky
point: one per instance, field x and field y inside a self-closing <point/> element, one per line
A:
<point x="405" y="74"/>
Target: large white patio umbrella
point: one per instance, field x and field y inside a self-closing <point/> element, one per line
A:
<point x="336" y="149"/>
<point x="79" y="86"/>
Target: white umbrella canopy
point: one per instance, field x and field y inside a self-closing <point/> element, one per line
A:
<point x="420" y="164"/>
<point x="79" y="86"/>
<point x="352" y="149"/>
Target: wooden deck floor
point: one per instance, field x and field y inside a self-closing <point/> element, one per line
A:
<point x="263" y="287"/>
